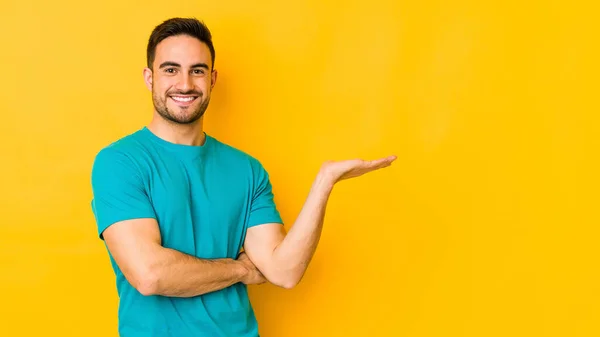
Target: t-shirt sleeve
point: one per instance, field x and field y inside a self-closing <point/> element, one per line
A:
<point x="118" y="190"/>
<point x="263" y="209"/>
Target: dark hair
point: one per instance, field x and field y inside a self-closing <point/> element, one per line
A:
<point x="179" y="26"/>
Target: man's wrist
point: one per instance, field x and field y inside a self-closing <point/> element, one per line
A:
<point x="324" y="182"/>
<point x="241" y="270"/>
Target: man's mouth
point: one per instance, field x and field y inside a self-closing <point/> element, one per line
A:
<point x="183" y="100"/>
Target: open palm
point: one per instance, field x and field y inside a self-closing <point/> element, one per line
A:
<point x="346" y="169"/>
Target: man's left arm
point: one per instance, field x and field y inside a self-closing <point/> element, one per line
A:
<point x="283" y="257"/>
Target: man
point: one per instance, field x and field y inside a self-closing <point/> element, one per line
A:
<point x="175" y="206"/>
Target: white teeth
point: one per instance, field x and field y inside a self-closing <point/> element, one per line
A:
<point x="182" y="99"/>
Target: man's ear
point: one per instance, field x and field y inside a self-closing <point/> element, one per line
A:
<point x="148" y="78"/>
<point x="213" y="78"/>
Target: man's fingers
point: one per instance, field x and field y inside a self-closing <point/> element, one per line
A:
<point x="380" y="163"/>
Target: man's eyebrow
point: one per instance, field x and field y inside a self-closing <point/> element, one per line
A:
<point x="169" y="64"/>
<point x="174" y="64"/>
<point x="200" y="65"/>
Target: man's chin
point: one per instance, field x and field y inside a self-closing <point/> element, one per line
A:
<point x="180" y="115"/>
<point x="185" y="118"/>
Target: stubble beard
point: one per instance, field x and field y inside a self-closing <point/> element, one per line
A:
<point x="160" y="105"/>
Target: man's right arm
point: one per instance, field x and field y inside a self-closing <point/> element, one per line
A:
<point x="155" y="270"/>
<point x="126" y="221"/>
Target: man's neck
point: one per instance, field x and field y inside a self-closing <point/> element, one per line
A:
<point x="184" y="134"/>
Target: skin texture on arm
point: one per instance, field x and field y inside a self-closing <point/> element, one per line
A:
<point x="284" y="257"/>
<point x="155" y="270"/>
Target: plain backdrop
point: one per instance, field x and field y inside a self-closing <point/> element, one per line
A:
<point x="486" y="224"/>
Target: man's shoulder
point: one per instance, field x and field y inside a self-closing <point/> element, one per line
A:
<point x="122" y="149"/>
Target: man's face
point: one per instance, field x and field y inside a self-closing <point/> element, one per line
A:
<point x="182" y="79"/>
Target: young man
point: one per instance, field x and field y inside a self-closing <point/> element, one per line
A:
<point x="176" y="206"/>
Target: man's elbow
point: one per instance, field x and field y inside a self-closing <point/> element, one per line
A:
<point x="145" y="281"/>
<point x="147" y="287"/>
<point x="289" y="285"/>
<point x="287" y="281"/>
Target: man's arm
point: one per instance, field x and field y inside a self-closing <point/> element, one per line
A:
<point x="126" y="221"/>
<point x="284" y="257"/>
<point x="155" y="270"/>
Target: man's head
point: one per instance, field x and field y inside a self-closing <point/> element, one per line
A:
<point x="180" y="74"/>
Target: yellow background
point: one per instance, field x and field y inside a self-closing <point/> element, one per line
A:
<point x="486" y="225"/>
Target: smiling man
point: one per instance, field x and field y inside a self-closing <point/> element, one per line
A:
<point x="175" y="206"/>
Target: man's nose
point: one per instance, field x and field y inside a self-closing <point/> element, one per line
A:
<point x="185" y="83"/>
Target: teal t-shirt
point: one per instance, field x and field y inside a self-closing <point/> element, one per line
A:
<point x="204" y="198"/>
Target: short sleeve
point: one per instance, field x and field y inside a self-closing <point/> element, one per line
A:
<point x="263" y="209"/>
<point x="118" y="190"/>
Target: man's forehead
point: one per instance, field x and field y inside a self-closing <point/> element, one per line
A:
<point x="182" y="48"/>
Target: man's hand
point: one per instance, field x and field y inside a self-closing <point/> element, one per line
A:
<point x="346" y="169"/>
<point x="254" y="276"/>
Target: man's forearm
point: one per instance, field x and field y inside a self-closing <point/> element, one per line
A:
<point x="294" y="253"/>
<point x="175" y="274"/>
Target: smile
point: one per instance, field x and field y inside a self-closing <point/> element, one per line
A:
<point x="183" y="99"/>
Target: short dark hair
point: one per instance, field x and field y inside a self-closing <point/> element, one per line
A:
<point x="179" y="26"/>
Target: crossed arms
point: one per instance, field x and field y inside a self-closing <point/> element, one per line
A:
<point x="270" y="254"/>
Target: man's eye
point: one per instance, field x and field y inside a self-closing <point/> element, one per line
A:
<point x="198" y="71"/>
<point x="170" y="70"/>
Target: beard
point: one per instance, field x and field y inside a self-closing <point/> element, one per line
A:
<point x="179" y="115"/>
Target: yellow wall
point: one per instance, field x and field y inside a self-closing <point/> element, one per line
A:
<point x="486" y="225"/>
